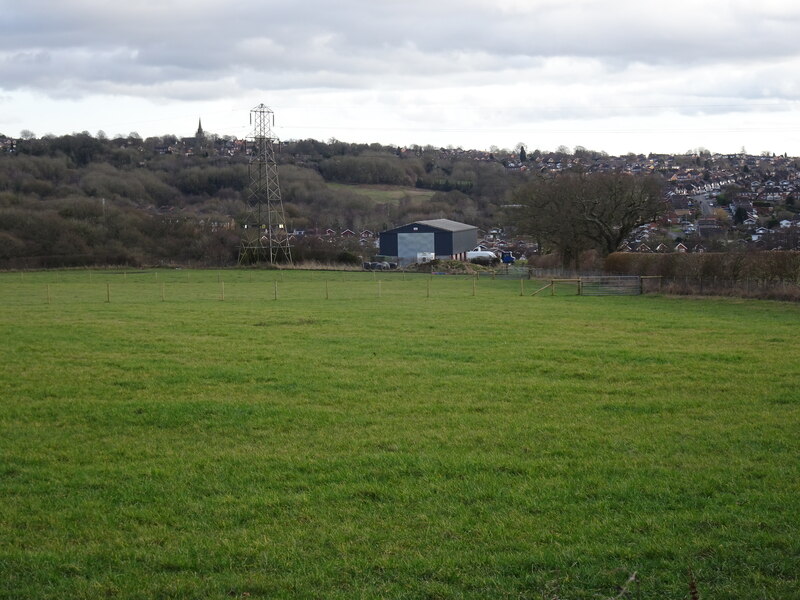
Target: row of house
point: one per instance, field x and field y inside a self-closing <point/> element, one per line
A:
<point x="662" y="248"/>
<point x="333" y="233"/>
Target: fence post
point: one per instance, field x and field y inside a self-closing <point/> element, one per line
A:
<point x="108" y="292"/>
<point x="326" y="289"/>
<point x="223" y="291"/>
<point x="521" y="286"/>
<point x="48" y="294"/>
<point x="275" y="293"/>
<point x="162" y="292"/>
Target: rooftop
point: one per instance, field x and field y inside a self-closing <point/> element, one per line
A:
<point x="446" y="224"/>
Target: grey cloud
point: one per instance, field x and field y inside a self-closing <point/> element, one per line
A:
<point x="155" y="48"/>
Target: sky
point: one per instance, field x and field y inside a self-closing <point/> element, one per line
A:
<point x="617" y="76"/>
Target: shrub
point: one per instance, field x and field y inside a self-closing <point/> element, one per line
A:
<point x="755" y="274"/>
<point x="347" y="257"/>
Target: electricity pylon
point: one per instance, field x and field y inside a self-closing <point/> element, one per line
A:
<point x="265" y="236"/>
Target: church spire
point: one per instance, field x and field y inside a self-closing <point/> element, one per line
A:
<point x="200" y="135"/>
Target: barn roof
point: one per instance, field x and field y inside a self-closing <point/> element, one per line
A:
<point x="447" y="225"/>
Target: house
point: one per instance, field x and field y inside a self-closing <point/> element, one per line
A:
<point x="709" y="227"/>
<point x="759" y="233"/>
<point x="681" y="248"/>
<point x="8" y="144"/>
<point x="494" y="234"/>
<point x="348" y="233"/>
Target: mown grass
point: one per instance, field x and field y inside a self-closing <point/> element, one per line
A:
<point x="420" y="443"/>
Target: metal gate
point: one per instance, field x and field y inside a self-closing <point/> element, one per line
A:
<point x="610" y="285"/>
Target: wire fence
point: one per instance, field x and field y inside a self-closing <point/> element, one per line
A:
<point x="173" y="285"/>
<point x="141" y="286"/>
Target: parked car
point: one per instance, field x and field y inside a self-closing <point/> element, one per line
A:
<point x="380" y="265"/>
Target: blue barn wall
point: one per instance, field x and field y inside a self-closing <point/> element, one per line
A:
<point x="451" y="239"/>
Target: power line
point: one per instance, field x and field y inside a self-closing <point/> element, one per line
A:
<point x="533" y="129"/>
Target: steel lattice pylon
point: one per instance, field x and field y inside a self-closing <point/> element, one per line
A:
<point x="265" y="236"/>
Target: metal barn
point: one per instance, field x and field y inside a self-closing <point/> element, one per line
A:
<point x="425" y="240"/>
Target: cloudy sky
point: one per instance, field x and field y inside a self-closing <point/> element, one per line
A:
<point x="614" y="75"/>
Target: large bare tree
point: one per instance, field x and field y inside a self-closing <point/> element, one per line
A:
<point x="573" y="212"/>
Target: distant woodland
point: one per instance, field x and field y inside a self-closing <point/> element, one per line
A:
<point x="81" y="200"/>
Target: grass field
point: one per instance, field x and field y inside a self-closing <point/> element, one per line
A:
<point x="385" y="194"/>
<point x="399" y="438"/>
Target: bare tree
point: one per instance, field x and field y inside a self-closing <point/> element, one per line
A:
<point x="574" y="212"/>
<point x="615" y="204"/>
<point x="548" y="211"/>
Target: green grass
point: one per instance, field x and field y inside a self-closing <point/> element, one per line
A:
<point x="424" y="443"/>
<point x="385" y="194"/>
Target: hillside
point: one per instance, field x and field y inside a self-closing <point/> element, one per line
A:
<point x="77" y="200"/>
<point x="386" y="194"/>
